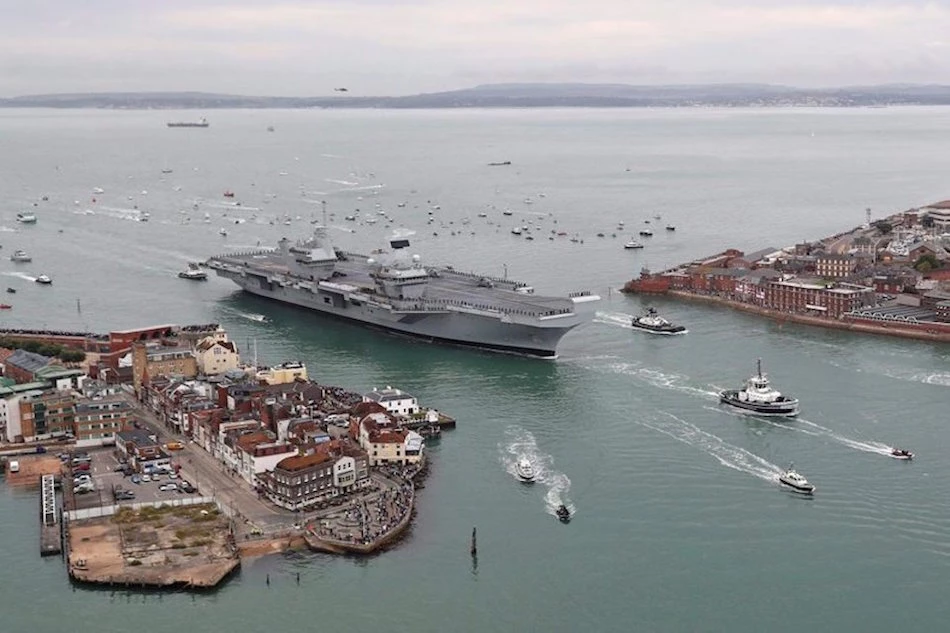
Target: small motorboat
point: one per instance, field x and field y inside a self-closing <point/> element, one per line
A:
<point x="758" y="397"/>
<point x="26" y="218"/>
<point x="223" y="231"/>
<point x="563" y="513"/>
<point x="796" y="481"/>
<point x="670" y="227"/>
<point x="655" y="324"/>
<point x="228" y="194"/>
<point x="44" y="280"/>
<point x="193" y="273"/>
<point x="5" y="306"/>
<point x="646" y="232"/>
<point x="633" y="244"/>
<point x="900" y="453"/>
<point x="525" y="470"/>
<point x="12" y="291"/>
<point x="20" y="256"/>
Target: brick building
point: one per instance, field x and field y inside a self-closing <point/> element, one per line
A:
<point x="22" y="365"/>
<point x="831" y="300"/>
<point x="325" y="471"/>
<point x="150" y="362"/>
<point x="834" y="266"/>
<point x="45" y="415"/>
<point x="100" y="420"/>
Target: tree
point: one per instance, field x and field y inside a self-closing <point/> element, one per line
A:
<point x="926" y="262"/>
<point x="883" y="226"/>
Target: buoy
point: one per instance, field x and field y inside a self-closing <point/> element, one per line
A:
<point x="474" y="548"/>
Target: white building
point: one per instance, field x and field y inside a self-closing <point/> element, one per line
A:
<point x="395" y="401"/>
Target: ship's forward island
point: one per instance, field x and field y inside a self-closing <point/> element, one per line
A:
<point x="395" y="292"/>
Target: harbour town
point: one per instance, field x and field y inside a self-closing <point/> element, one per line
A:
<point x="163" y="458"/>
<point x="890" y="277"/>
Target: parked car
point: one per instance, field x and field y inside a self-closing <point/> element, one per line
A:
<point x="173" y="475"/>
<point x="82" y="466"/>
<point x="136" y="479"/>
<point x="174" y="446"/>
<point x="146" y="477"/>
<point x="81" y="478"/>
<point x="86" y="486"/>
<point x="124" y="495"/>
<point x="167" y="487"/>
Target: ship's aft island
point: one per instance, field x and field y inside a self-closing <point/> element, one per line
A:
<point x="394" y="291"/>
<point x="890" y="276"/>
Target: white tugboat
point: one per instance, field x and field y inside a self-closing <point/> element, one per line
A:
<point x="525" y="470"/>
<point x="757" y="396"/>
<point x="795" y="481"/>
<point x="655" y="324"/>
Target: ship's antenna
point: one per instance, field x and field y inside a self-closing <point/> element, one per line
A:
<point x="759" y="364"/>
<point x="323" y="204"/>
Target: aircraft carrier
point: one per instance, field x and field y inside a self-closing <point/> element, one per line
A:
<point x="392" y="290"/>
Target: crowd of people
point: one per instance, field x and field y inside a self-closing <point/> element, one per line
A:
<point x="369" y="519"/>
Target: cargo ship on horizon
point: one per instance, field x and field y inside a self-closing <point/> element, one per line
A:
<point x="199" y="123"/>
<point x="393" y="291"/>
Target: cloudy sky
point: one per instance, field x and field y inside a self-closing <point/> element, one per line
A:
<point x="393" y="47"/>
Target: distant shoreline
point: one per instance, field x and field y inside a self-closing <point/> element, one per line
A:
<point x="519" y="96"/>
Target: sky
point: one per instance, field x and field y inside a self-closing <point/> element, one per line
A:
<point x="399" y="47"/>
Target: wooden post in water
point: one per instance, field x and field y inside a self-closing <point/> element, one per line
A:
<point x="474" y="548"/>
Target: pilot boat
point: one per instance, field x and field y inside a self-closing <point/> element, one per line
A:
<point x="525" y="470"/>
<point x="796" y="481"/>
<point x="759" y="397"/>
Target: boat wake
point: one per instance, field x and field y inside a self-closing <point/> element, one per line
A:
<point x="7" y="229"/>
<point x="657" y="378"/>
<point x="801" y="425"/>
<point x="726" y="454"/>
<point x="616" y="319"/>
<point x="20" y="275"/>
<point x="347" y="183"/>
<point x="518" y="444"/>
<point x="251" y="316"/>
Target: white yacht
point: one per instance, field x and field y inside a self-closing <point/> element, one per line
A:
<point x="759" y="397"/>
<point x="525" y="470"/>
<point x="633" y="244"/>
<point x="796" y="481"/>
<point x="20" y="256"/>
<point x="44" y="279"/>
<point x="26" y="218"/>
<point x="223" y="231"/>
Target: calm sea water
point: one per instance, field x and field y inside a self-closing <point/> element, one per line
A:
<point x="680" y="524"/>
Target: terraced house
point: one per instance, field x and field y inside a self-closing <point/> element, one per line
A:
<point x="99" y="421"/>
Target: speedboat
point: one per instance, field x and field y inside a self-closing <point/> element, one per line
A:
<point x="633" y="244"/>
<point x="44" y="279"/>
<point x="655" y="324"/>
<point x="758" y="397"/>
<point x="223" y="231"/>
<point x="11" y="290"/>
<point x="900" y="453"/>
<point x="193" y="273"/>
<point x="563" y="513"/>
<point x="670" y="227"/>
<point x="795" y="481"/>
<point x="20" y="256"/>
<point x="525" y="470"/>
<point x="5" y="306"/>
<point x="646" y="232"/>
<point x="26" y="218"/>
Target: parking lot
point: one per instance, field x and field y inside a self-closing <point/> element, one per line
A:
<point x="106" y="475"/>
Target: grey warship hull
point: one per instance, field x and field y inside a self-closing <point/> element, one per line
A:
<point x="457" y="308"/>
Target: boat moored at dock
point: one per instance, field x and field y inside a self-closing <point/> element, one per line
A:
<point x="393" y="291"/>
<point x="759" y="397"/>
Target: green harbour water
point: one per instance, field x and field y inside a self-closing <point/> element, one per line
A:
<point x="680" y="524"/>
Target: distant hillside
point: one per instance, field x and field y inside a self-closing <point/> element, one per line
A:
<point x="521" y="95"/>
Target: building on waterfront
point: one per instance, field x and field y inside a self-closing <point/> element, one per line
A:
<point x="386" y="445"/>
<point x="395" y="401"/>
<point x="22" y="365"/>
<point x="152" y="361"/>
<point x="834" y="265"/>
<point x="939" y="214"/>
<point x="258" y="452"/>
<point x="46" y="414"/>
<point x="61" y="378"/>
<point x="320" y="473"/>
<point x="215" y="354"/>
<point x="283" y="373"/>
<point x="830" y="300"/>
<point x="98" y="421"/>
